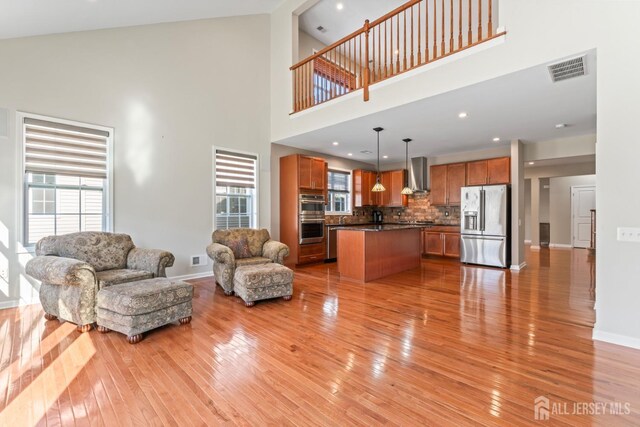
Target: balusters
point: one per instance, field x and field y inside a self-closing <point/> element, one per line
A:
<point x="470" y="34"/>
<point x="490" y="22"/>
<point x="426" y="31"/>
<point x="398" y="43"/>
<point x="451" y="26"/>
<point x="459" y="24"/>
<point x="435" y="29"/>
<point x="419" y="37"/>
<point x="385" y="50"/>
<point x="442" y="29"/>
<point x="412" y="37"/>
<point x="404" y="46"/>
<point x="479" y="20"/>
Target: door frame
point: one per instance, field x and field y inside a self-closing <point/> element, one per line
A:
<point x="573" y="229"/>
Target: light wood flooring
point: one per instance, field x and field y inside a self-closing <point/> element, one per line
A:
<point x="444" y="344"/>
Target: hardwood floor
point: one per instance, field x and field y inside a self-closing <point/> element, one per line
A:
<point x="443" y="344"/>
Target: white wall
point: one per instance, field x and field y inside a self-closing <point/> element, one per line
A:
<point x="560" y="206"/>
<point x="538" y="32"/>
<point x="277" y="151"/>
<point x="307" y="44"/>
<point x="171" y="91"/>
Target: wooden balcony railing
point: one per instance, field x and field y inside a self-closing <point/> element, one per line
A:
<point x="416" y="33"/>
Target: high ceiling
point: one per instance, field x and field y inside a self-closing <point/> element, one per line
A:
<point x="525" y="105"/>
<point x="21" y="18"/>
<point x="339" y="23"/>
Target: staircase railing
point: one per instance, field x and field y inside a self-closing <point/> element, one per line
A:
<point x="414" y="34"/>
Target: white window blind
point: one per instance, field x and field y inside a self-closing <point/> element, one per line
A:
<point x="235" y="169"/>
<point x="61" y="149"/>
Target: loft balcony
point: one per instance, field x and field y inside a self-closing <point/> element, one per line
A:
<point x="417" y="33"/>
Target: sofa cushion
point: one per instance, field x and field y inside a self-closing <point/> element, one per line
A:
<point x="257" y="260"/>
<point x="240" y="248"/>
<point x="103" y="251"/>
<point x="145" y="296"/>
<point x="255" y="238"/>
<point x="121" y="275"/>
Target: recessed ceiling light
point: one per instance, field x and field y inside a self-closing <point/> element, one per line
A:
<point x="462" y="115"/>
<point x="336" y="143"/>
<point x="561" y="125"/>
<point x="385" y="157"/>
<point x="349" y="154"/>
<point x="532" y="163"/>
<point x="496" y="139"/>
<point x="339" y="6"/>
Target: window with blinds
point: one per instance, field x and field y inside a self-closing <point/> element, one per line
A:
<point x="339" y="189"/>
<point x="65" y="178"/>
<point x="236" y="199"/>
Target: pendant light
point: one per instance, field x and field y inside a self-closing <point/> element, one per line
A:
<point x="406" y="190"/>
<point x="378" y="187"/>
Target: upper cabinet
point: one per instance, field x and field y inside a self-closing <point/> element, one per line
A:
<point x="446" y="182"/>
<point x="491" y="171"/>
<point x="393" y="182"/>
<point x="312" y="173"/>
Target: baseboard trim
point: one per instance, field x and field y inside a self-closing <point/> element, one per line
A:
<point x="617" y="339"/>
<point x="16" y="303"/>
<point x="527" y="242"/>
<point x="560" y="246"/>
<point x="535" y="247"/>
<point x="192" y="276"/>
<point x="515" y="267"/>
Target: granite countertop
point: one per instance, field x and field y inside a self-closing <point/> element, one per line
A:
<point x="405" y="224"/>
<point x="381" y="227"/>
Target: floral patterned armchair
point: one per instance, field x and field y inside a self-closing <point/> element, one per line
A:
<point x="237" y="247"/>
<point x="73" y="267"/>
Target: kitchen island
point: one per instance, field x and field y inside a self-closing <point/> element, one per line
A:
<point x="370" y="252"/>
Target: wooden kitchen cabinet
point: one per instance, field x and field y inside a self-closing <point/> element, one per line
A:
<point x="491" y="171"/>
<point x="446" y="182"/>
<point x="393" y="182"/>
<point x="441" y="243"/>
<point x="311" y="173"/>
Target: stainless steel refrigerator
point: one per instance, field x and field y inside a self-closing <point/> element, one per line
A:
<point x="485" y="225"/>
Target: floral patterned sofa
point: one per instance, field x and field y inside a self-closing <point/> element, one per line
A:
<point x="237" y="247"/>
<point x="74" y="267"/>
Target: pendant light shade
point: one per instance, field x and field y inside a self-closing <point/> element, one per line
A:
<point x="406" y="190"/>
<point x="378" y="187"/>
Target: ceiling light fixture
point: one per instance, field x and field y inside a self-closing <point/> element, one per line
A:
<point x="378" y="187"/>
<point x="496" y="139"/>
<point x="336" y="143"/>
<point x="462" y="115"/>
<point x="349" y="154"/>
<point x="385" y="157"/>
<point x="561" y="125"/>
<point x="339" y="6"/>
<point x="532" y="163"/>
<point x="406" y="190"/>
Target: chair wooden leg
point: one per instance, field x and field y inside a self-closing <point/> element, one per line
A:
<point x="103" y="329"/>
<point x="228" y="293"/>
<point x="134" y="339"/>
<point x="50" y="316"/>
<point x="287" y="297"/>
<point x="185" y="320"/>
<point x="249" y="303"/>
<point x="84" y="328"/>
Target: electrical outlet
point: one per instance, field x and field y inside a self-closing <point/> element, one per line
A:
<point x="629" y="234"/>
<point x="198" y="260"/>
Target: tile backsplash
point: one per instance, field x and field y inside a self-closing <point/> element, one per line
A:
<point x="418" y="209"/>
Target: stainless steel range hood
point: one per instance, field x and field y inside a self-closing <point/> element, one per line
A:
<point x="419" y="174"/>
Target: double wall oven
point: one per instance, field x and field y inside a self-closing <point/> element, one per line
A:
<point x="311" y="218"/>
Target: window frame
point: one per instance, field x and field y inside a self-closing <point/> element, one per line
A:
<point x="214" y="192"/>
<point x="349" y="210"/>
<point x="21" y="181"/>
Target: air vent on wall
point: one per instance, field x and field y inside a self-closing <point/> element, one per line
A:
<point x="321" y="29"/>
<point x="568" y="69"/>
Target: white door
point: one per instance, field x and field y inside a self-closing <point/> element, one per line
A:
<point x="583" y="199"/>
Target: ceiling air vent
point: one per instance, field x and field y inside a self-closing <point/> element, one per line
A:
<point x="568" y="69"/>
<point x="321" y="29"/>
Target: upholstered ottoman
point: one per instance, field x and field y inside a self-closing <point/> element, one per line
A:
<point x="137" y="307"/>
<point x="263" y="281"/>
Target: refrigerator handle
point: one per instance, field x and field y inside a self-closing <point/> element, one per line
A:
<point x="482" y="206"/>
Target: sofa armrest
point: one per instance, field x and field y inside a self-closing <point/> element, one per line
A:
<point x="275" y="251"/>
<point x="61" y="271"/>
<point x="220" y="253"/>
<point x="152" y="260"/>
